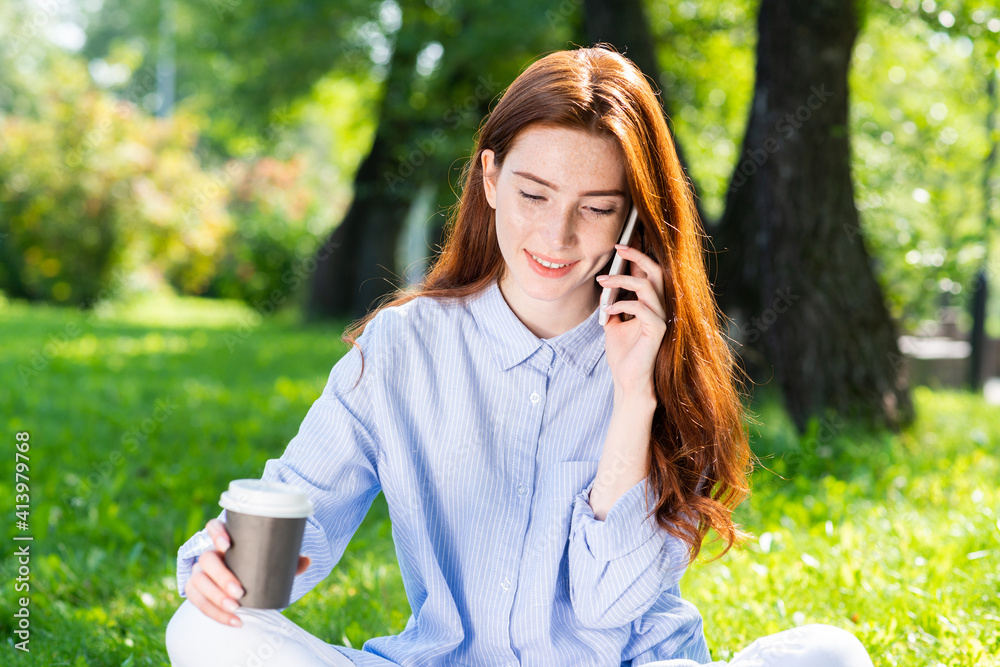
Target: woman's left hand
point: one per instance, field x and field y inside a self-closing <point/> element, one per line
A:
<point x="631" y="347"/>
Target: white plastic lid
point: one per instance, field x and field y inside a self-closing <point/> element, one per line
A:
<point x="260" y="498"/>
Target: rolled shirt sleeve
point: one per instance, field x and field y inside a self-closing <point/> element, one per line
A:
<point x="620" y="566"/>
<point x="188" y="554"/>
<point x="671" y="629"/>
<point x="334" y="458"/>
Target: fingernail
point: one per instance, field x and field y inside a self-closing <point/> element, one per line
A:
<point x="230" y="605"/>
<point x="621" y="246"/>
<point x="235" y="622"/>
<point x="222" y="544"/>
<point x="235" y="590"/>
<point x="601" y="278"/>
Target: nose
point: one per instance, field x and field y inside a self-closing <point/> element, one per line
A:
<point x="560" y="230"/>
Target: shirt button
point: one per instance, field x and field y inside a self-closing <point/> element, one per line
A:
<point x="535" y="397"/>
<point x="505" y="584"/>
<point x="521" y="489"/>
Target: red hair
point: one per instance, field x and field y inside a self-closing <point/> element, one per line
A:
<point x="698" y="422"/>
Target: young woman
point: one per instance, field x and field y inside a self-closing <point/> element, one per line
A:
<point x="549" y="479"/>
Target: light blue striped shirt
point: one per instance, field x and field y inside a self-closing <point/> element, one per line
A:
<point x="485" y="441"/>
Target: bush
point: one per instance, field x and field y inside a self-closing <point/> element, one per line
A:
<point x="90" y="184"/>
<point x="278" y="219"/>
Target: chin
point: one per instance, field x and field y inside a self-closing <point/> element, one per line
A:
<point x="551" y="293"/>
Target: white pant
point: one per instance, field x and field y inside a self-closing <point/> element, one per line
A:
<point x="265" y="638"/>
<point x="268" y="638"/>
<point x="805" y="646"/>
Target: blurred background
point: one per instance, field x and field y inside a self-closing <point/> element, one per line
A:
<point x="196" y="197"/>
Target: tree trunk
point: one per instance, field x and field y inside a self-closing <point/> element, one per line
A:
<point x="624" y="25"/>
<point x="356" y="266"/>
<point x="796" y="260"/>
<point x="410" y="150"/>
<point x="980" y="291"/>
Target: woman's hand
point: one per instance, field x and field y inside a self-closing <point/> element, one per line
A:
<point x="213" y="588"/>
<point x="631" y="347"/>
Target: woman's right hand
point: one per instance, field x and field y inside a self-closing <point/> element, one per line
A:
<point x="213" y="588"/>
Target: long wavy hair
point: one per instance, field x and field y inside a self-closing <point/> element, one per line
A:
<point x="698" y="422"/>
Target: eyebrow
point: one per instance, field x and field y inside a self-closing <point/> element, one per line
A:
<point x="592" y="193"/>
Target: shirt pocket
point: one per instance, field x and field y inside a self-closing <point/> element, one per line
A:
<point x="550" y="539"/>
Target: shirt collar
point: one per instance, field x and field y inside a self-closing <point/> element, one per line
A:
<point x="511" y="342"/>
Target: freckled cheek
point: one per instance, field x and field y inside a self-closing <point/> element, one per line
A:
<point x="604" y="259"/>
<point x="511" y="232"/>
<point x="603" y="248"/>
<point x="529" y="211"/>
<point x="606" y="242"/>
<point x="522" y="220"/>
<point x="598" y="250"/>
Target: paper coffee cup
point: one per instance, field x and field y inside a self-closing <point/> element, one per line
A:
<point x="265" y="521"/>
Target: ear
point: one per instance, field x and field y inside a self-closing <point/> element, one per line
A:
<point x="489" y="177"/>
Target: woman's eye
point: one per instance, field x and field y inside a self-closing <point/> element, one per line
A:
<point x="531" y="197"/>
<point x="602" y="211"/>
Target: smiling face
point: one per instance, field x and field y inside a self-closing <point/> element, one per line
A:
<point x="561" y="198"/>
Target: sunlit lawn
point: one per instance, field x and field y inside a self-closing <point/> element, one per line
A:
<point x="140" y="417"/>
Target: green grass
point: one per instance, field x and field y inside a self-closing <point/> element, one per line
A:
<point x="893" y="537"/>
<point x="896" y="538"/>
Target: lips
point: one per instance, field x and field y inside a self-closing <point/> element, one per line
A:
<point x="548" y="263"/>
<point x="548" y="272"/>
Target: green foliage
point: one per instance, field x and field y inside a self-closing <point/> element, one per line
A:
<point x="707" y="52"/>
<point x="243" y="61"/>
<point x="893" y="537"/>
<point x="310" y="79"/>
<point x="89" y="184"/>
<point x="336" y="120"/>
<point x="917" y="126"/>
<point x="96" y="196"/>
<point x="279" y="217"/>
<point x="238" y="61"/>
<point x="920" y="142"/>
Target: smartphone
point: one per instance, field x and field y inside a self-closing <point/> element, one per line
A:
<point x="610" y="294"/>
